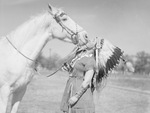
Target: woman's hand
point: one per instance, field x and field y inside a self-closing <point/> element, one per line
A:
<point x="85" y="86"/>
<point x="67" y="67"/>
<point x="73" y="100"/>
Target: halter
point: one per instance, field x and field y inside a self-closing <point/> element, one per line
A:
<point x="68" y="30"/>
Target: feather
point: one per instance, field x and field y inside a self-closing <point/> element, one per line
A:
<point x="109" y="65"/>
<point x="117" y="53"/>
<point x="109" y="57"/>
<point x="113" y="60"/>
<point x="112" y="63"/>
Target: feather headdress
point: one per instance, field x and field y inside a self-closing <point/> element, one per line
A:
<point x="107" y="57"/>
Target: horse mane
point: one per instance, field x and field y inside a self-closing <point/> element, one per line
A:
<point x="35" y="21"/>
<point x="28" y="28"/>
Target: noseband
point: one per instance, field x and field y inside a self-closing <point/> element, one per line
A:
<point x="74" y="35"/>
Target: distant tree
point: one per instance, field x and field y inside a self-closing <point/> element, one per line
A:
<point x="49" y="62"/>
<point x="142" y="61"/>
<point x="122" y="67"/>
<point x="42" y="61"/>
<point x="53" y="61"/>
<point x="147" y="69"/>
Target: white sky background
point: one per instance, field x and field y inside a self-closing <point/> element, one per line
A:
<point x="125" y="23"/>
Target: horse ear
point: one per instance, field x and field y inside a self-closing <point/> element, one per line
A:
<point x="50" y="7"/>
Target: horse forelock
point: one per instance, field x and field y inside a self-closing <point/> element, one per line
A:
<point x="59" y="11"/>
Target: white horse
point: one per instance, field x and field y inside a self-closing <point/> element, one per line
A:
<point x="20" y="49"/>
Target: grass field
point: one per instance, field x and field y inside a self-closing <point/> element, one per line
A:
<point x="136" y="81"/>
<point x="44" y="95"/>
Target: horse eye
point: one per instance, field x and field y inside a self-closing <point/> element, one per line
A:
<point x="64" y="19"/>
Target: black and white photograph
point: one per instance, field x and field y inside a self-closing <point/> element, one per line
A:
<point x="74" y="56"/>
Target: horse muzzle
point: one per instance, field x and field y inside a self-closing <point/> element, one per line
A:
<point x="83" y="38"/>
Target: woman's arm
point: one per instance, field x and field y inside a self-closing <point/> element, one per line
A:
<point x="87" y="78"/>
<point x="84" y="86"/>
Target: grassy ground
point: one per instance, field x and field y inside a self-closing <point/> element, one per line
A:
<point x="44" y="95"/>
<point x="136" y="81"/>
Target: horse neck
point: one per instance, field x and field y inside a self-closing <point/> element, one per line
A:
<point x="31" y="37"/>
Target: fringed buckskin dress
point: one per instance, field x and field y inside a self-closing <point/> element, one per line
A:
<point x="86" y="103"/>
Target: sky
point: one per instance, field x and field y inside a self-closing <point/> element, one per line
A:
<point x="125" y="23"/>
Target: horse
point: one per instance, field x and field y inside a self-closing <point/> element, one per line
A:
<point x="20" y="49"/>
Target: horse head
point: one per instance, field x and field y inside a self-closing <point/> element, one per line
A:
<point x="64" y="28"/>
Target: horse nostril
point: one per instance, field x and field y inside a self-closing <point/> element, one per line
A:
<point x="86" y="36"/>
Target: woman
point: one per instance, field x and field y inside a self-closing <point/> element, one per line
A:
<point x="91" y="65"/>
<point x="78" y="94"/>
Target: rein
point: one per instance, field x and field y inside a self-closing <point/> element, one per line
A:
<point x="19" y="51"/>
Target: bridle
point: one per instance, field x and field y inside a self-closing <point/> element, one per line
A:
<point x="74" y="35"/>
